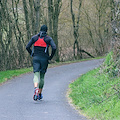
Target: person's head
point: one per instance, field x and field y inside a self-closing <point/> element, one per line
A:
<point x="44" y="28"/>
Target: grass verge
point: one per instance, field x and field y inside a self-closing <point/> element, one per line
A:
<point x="97" y="95"/>
<point x="6" y="75"/>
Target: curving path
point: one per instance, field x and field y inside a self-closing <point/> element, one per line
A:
<point x="16" y="101"/>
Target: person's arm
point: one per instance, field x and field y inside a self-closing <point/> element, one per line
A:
<point x="53" y="46"/>
<point x="29" y="45"/>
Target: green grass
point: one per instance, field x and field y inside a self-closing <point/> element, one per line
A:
<point x="6" y="75"/>
<point x="97" y="95"/>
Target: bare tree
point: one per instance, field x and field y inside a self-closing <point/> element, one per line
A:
<point x="18" y="34"/>
<point x="76" y="31"/>
<point x="37" y="13"/>
<point x="16" y="29"/>
<point x="50" y="16"/>
<point x="26" y="19"/>
<point x="102" y="25"/>
<point x="32" y="18"/>
<point x="53" y="15"/>
<point x="76" y="27"/>
<point x="115" y="10"/>
<point x="6" y="27"/>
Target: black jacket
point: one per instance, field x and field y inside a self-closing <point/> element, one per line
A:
<point x="40" y="51"/>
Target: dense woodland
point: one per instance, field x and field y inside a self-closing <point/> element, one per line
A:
<point x="80" y="29"/>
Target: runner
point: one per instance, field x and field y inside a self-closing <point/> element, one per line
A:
<point x="40" y="54"/>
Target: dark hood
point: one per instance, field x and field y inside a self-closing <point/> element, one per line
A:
<point x="44" y="28"/>
<point x="43" y="31"/>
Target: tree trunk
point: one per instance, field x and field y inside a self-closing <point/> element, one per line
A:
<point x="55" y="37"/>
<point x="50" y="17"/>
<point x="32" y="18"/>
<point x="19" y="38"/>
<point x="76" y="28"/>
<point x="37" y="12"/>
<point x="53" y="15"/>
<point x="26" y="19"/>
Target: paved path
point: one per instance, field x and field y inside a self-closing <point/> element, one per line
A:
<point x="16" y="101"/>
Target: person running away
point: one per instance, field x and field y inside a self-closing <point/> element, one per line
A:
<point x="40" y="54"/>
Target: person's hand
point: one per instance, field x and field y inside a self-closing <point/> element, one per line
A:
<point x="49" y="61"/>
<point x="32" y="54"/>
<point x="49" y="58"/>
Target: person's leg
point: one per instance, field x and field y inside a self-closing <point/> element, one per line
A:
<point x="44" y="65"/>
<point x="36" y="68"/>
<point x="41" y="83"/>
<point x="36" y="79"/>
<point x="36" y="82"/>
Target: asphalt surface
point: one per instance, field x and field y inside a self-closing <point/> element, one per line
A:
<point x="16" y="102"/>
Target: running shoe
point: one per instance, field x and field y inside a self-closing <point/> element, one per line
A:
<point x="40" y="96"/>
<point x="36" y="94"/>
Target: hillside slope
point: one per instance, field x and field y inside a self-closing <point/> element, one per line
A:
<point x="97" y="93"/>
